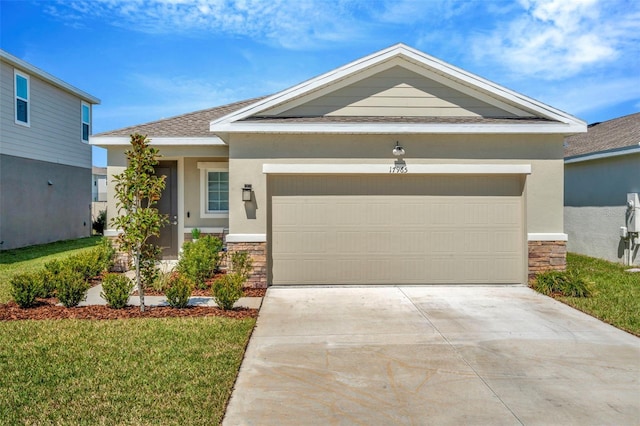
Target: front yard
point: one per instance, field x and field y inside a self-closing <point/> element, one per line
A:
<point x="171" y="371"/>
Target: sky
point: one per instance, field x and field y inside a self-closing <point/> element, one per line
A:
<point x="147" y="60"/>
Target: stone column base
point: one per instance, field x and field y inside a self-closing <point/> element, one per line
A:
<point x="547" y="256"/>
<point x="258" y="252"/>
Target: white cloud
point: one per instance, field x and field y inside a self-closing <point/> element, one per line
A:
<point x="290" y="24"/>
<point x="556" y="39"/>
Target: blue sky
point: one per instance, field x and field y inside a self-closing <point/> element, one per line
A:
<point x="148" y="60"/>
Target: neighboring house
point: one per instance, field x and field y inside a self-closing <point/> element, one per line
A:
<point x="397" y="168"/>
<point x="45" y="158"/>
<point x="601" y="167"/>
<point x="98" y="191"/>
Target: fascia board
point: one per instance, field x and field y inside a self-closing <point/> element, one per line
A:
<point x="105" y="141"/>
<point x="37" y="72"/>
<point x="602" y="154"/>
<point x="422" y="60"/>
<point x="439" y="169"/>
<point x="399" y="128"/>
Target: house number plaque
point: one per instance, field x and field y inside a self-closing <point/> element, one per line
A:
<point x="398" y="168"/>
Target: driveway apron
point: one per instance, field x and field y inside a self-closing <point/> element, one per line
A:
<point x="414" y="355"/>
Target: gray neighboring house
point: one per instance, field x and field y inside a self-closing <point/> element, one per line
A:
<point x="45" y="158"/>
<point x="602" y="166"/>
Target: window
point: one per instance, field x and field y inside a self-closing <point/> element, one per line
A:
<point x="214" y="194"/>
<point x="22" y="98"/>
<point x="86" y="121"/>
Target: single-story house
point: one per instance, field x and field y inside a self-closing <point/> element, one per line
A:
<point x="602" y="171"/>
<point x="397" y="168"/>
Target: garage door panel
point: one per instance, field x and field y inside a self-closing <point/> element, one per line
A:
<point x="419" y="229"/>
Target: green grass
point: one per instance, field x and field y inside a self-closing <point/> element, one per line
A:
<point x="616" y="293"/>
<point x="34" y="257"/>
<point x="171" y="371"/>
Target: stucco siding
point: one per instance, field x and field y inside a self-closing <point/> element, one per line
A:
<point x="192" y="195"/>
<point x="34" y="212"/>
<point x="604" y="182"/>
<point x="543" y="197"/>
<point x="595" y="231"/>
<point x="54" y="132"/>
<point x="595" y="205"/>
<point x="396" y="92"/>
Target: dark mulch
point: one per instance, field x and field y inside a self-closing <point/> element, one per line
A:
<point x="46" y="310"/>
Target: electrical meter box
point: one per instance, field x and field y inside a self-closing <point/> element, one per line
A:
<point x="633" y="212"/>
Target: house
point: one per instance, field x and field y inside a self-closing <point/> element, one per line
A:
<point x="45" y="157"/>
<point x="602" y="170"/>
<point x="397" y="168"/>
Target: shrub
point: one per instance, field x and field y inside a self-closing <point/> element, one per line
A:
<point x="106" y="255"/>
<point x="178" y="290"/>
<point x="72" y="287"/>
<point x="100" y="223"/>
<point x="25" y="288"/>
<point x="241" y="263"/>
<point x="116" y="289"/>
<point x="564" y="283"/>
<point x="92" y="263"/>
<point x="200" y="259"/>
<point x="227" y="289"/>
<point x="50" y="276"/>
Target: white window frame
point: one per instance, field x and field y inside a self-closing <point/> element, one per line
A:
<point x="17" y="73"/>
<point x="205" y="168"/>
<point x="82" y="105"/>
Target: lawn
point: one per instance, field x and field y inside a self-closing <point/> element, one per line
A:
<point x="616" y="293"/>
<point x="34" y="257"/>
<point x="170" y="371"/>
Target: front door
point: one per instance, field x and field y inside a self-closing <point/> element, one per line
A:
<point x="168" y="205"/>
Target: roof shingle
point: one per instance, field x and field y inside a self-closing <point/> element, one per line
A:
<point x="190" y="125"/>
<point x="613" y="134"/>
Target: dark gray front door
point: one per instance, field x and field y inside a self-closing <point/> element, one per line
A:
<point x="168" y="205"/>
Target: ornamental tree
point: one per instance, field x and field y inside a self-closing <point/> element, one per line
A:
<point x="137" y="192"/>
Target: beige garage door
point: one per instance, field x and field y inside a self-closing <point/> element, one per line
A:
<point x="397" y="229"/>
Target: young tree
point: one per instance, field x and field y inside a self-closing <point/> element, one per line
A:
<point x="137" y="191"/>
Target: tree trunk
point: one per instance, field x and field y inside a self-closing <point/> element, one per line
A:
<point x="139" y="281"/>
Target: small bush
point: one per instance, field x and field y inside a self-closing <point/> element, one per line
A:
<point x="200" y="260"/>
<point x="25" y="288"/>
<point x="227" y="289"/>
<point x="116" y="289"/>
<point x="106" y="255"/>
<point x="50" y="276"/>
<point x="563" y="283"/>
<point x="178" y="291"/>
<point x="72" y="287"/>
<point x="241" y="263"/>
<point x="100" y="223"/>
<point x="149" y="265"/>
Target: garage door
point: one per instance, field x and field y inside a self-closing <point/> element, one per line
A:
<point x="396" y="229"/>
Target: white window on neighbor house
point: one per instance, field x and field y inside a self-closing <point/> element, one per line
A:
<point x="21" y="89"/>
<point x="214" y="190"/>
<point x="86" y="121"/>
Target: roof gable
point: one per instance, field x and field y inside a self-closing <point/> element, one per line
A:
<point x="438" y="89"/>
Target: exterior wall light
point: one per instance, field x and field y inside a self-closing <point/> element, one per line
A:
<point x="246" y="192"/>
<point x="398" y="150"/>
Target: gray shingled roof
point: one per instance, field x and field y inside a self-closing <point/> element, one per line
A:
<point x="609" y="135"/>
<point x="190" y="125"/>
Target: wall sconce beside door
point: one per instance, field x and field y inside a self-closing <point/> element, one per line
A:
<point x="246" y="192"/>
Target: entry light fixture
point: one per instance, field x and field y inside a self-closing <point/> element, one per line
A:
<point x="246" y="192"/>
<point x="398" y="150"/>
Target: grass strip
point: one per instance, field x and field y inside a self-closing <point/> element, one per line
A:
<point x="616" y="293"/>
<point x="171" y="371"/>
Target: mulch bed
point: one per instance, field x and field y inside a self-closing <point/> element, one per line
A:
<point x="46" y="309"/>
<point x="248" y="292"/>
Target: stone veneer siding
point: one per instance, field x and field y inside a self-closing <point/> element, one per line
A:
<point x="547" y="256"/>
<point x="258" y="252"/>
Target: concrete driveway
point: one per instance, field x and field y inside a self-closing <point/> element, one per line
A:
<point x="433" y="355"/>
